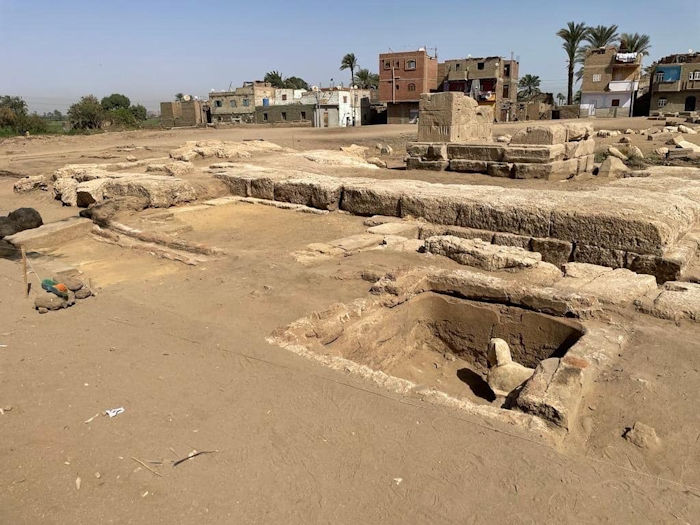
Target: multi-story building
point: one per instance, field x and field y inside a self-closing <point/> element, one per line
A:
<point x="491" y="81"/>
<point x="239" y="105"/>
<point x="187" y="112"/>
<point x="675" y="84"/>
<point x="336" y="107"/>
<point x="403" y="76"/>
<point x="610" y="82"/>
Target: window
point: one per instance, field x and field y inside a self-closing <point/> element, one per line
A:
<point x="659" y="77"/>
<point x="233" y="103"/>
<point x="345" y="100"/>
<point x="397" y="63"/>
<point x="387" y="64"/>
<point x="411" y="87"/>
<point x="284" y="97"/>
<point x="410" y="64"/>
<point x="303" y="115"/>
<point x="615" y="102"/>
<point x="246" y="102"/>
<point x="506" y="91"/>
<point x="697" y="75"/>
<point x="218" y="103"/>
<point x="480" y="65"/>
<point x="506" y="71"/>
<point x="284" y="116"/>
<point x="662" y="102"/>
<point x="457" y="66"/>
<point x="265" y="117"/>
<point x="397" y="87"/>
<point x="596" y="77"/>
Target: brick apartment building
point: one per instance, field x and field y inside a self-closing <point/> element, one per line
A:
<point x="491" y="81"/>
<point x="675" y="84"/>
<point x="610" y="82"/>
<point x="403" y="76"/>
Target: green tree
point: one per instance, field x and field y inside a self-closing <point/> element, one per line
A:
<point x="349" y="61"/>
<point x="572" y="35"/>
<point x="87" y="113"/>
<point x="274" y="78"/>
<point x="365" y="79"/>
<point x="122" y="117"/>
<point x="295" y="83"/>
<point x="139" y="112"/>
<point x="560" y="98"/>
<point x="635" y="43"/>
<point x="179" y="97"/>
<point x="528" y="86"/>
<point x="577" y="97"/>
<point x="14" y="116"/>
<point x="115" y="101"/>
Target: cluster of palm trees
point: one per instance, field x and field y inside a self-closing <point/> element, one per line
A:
<point x="364" y="78"/>
<point x="579" y="39"/>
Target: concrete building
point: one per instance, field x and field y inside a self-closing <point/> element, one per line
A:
<point x="675" y="84"/>
<point x="284" y="96"/>
<point x="297" y="114"/>
<point x="184" y="113"/>
<point x="239" y="105"/>
<point x="403" y="77"/>
<point x="338" y="107"/>
<point x="491" y="81"/>
<point x="610" y="82"/>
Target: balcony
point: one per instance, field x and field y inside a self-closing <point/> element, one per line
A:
<point x="667" y="86"/>
<point x="623" y="85"/>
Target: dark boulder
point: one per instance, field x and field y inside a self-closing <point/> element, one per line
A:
<point x="25" y="218"/>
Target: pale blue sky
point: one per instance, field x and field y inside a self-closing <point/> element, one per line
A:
<point x="52" y="52"/>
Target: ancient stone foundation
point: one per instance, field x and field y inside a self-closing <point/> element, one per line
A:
<point x="453" y="117"/>
<point x="553" y="152"/>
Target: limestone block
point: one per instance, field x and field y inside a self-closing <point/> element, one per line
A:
<point x="612" y="258"/>
<point x="315" y="191"/>
<point x="484" y="152"/>
<point x="430" y="230"/>
<point x="52" y="234"/>
<point x="417" y="149"/>
<point x="65" y="189"/>
<point x="553" y="251"/>
<point x="451" y="116"/>
<point x="504" y="374"/>
<point x="612" y="167"/>
<point x="581" y="148"/>
<point x="557" y="170"/>
<point x="535" y="153"/>
<point x="511" y="239"/>
<point x="614" y="152"/>
<point x="674" y="300"/>
<point x="480" y="254"/>
<point x="371" y="198"/>
<point x="34" y="182"/>
<point x="500" y="169"/>
<point x="414" y="163"/>
<point x="643" y="436"/>
<point x="468" y="166"/>
<point x="578" y="131"/>
<point x="552" y="134"/>
<point x="618" y="287"/>
<point x="407" y="229"/>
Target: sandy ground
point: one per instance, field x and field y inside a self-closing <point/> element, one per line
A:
<point x="183" y="350"/>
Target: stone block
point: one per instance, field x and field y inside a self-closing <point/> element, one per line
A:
<point x="430" y="230"/>
<point x="481" y="254"/>
<point x="552" y="134"/>
<point x="407" y="229"/>
<point x="578" y="131"/>
<point x="468" y="166"/>
<point x="52" y="234"/>
<point x="484" y="152"/>
<point x="612" y="167"/>
<point x="451" y="116"/>
<point x="417" y="149"/>
<point x="314" y="191"/>
<point x="534" y="153"/>
<point x="584" y="253"/>
<point x="370" y="198"/>
<point x="511" y="239"/>
<point x="581" y="148"/>
<point x="557" y="170"/>
<point x="415" y="163"/>
<point x="499" y="169"/>
<point x="554" y="251"/>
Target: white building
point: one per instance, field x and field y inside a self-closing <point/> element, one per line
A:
<point x="337" y="107"/>
<point x="285" y="96"/>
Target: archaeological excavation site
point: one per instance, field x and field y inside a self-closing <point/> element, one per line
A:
<point x="491" y="312"/>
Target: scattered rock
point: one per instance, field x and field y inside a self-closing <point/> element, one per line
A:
<point x="625" y="140"/>
<point x="633" y="152"/>
<point x="377" y="162"/>
<point x="503" y="138"/>
<point x="612" y="150"/>
<point x="25" y="218"/>
<point x="131" y="158"/>
<point x="385" y="149"/>
<point x="612" y="167"/>
<point x="49" y="301"/>
<point x="604" y="133"/>
<point x="83" y="293"/>
<point x="649" y="137"/>
<point x="685" y="129"/>
<point x="662" y="151"/>
<point x="72" y="283"/>
<point x="629" y="131"/>
<point x="642" y="436"/>
<point x="38" y="182"/>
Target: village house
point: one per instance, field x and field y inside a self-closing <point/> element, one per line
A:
<point x="292" y="113"/>
<point x="239" y="105"/>
<point x="491" y="81"/>
<point x="338" y="107"/>
<point x="403" y="76"/>
<point x="188" y="112"/>
<point x="675" y="84"/>
<point x="610" y="82"/>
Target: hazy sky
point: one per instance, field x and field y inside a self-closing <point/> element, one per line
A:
<point x="52" y="52"/>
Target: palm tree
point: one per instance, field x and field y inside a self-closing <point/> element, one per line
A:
<point x="365" y="79"/>
<point x="179" y="97"/>
<point x="572" y="35"/>
<point x="349" y="62"/>
<point x="528" y="86"/>
<point x="635" y="43"/>
<point x="560" y="98"/>
<point x="596" y="37"/>
<point x="274" y="78"/>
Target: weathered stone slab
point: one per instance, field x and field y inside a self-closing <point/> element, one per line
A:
<point x="52" y="234"/>
<point x="551" y="134"/>
<point x="430" y="230"/>
<point x="618" y="287"/>
<point x="500" y="169"/>
<point x="487" y="152"/>
<point x="554" y="251"/>
<point x="612" y="258"/>
<point x="511" y="239"/>
<point x="415" y="163"/>
<point x="674" y="300"/>
<point x="316" y="191"/>
<point x="578" y="131"/>
<point x="556" y="170"/>
<point x="371" y="197"/>
<point x="468" y="166"/>
<point x="408" y="229"/>
<point x="581" y="148"/>
<point x="534" y="153"/>
<point x="452" y="117"/>
<point x="480" y="254"/>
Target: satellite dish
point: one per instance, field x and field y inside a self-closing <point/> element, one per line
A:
<point x="187" y="98"/>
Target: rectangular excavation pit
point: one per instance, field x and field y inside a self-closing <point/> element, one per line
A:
<point x="439" y="343"/>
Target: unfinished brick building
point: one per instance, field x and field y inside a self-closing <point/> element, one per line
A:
<point x="675" y="84"/>
<point x="491" y="81"/>
<point x="239" y="105"/>
<point x="403" y="76"/>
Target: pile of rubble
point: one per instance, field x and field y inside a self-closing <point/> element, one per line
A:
<point x="454" y="133"/>
<point x="76" y="290"/>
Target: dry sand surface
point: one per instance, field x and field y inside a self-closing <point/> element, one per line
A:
<point x="184" y="349"/>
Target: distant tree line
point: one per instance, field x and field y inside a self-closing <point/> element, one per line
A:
<point x="15" y="119"/>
